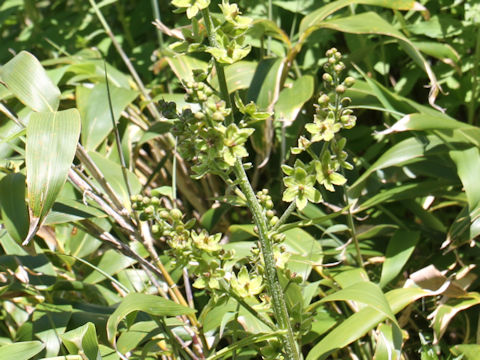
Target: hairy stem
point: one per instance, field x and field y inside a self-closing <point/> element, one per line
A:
<point x="273" y="284"/>
<point x="222" y="82"/>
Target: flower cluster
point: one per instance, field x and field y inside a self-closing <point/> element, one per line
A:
<point x="229" y="32"/>
<point x="332" y="114"/>
<point x="204" y="139"/>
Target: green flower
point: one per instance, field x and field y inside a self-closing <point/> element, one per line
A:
<point x="323" y="129"/>
<point x="233" y="142"/>
<point x="300" y="185"/>
<point x="229" y="51"/>
<point x="193" y="6"/>
<point x="245" y="286"/>
<point x="340" y="155"/>
<point x="203" y="241"/>
<point x="326" y="174"/>
<point x="232" y="16"/>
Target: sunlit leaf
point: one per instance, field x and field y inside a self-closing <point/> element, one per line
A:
<point x="27" y="80"/>
<point x="82" y="340"/>
<point x="51" y="142"/>
<point x="150" y="304"/>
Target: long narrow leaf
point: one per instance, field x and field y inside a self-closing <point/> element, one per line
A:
<point x="51" y="142"/>
<point x="27" y="80"/>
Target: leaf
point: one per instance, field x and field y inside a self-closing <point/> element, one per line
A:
<point x="372" y="23"/>
<point x="27" y="80"/>
<point x="263" y="28"/>
<point x="291" y="99"/>
<point x="305" y="250"/>
<point x="20" y="350"/>
<point x="51" y="142"/>
<point x="50" y="321"/>
<point x="83" y="340"/>
<point x="403" y="152"/>
<point x="265" y="85"/>
<point x="14" y="208"/>
<point x="238" y="75"/>
<point x="399" y="249"/>
<point x="150" y="304"/>
<point x="364" y="292"/>
<point x="323" y="12"/>
<point x="183" y="66"/>
<point x="467" y="351"/>
<point x="112" y="172"/>
<point x="388" y="345"/>
<point x="95" y="111"/>
<point x="444" y="313"/>
<point x="363" y="321"/>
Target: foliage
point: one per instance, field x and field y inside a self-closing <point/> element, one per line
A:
<point x="239" y="180"/>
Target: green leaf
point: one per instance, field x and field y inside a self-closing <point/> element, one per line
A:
<point x="49" y="321"/>
<point x="183" y="66"/>
<point x="364" y="292"/>
<point x="113" y="175"/>
<point x="95" y="111"/>
<point x="13" y="206"/>
<point x="372" y="23"/>
<point x="292" y="99"/>
<point x="83" y="340"/>
<point x="21" y="350"/>
<point x="150" y="304"/>
<point x="323" y="12"/>
<point x="238" y="75"/>
<point x="399" y="154"/>
<point x="51" y="142"/>
<point x="444" y="313"/>
<point x="363" y="321"/>
<point x="469" y="351"/>
<point x="26" y="78"/>
<point x="388" y="344"/>
<point x="399" y="249"/>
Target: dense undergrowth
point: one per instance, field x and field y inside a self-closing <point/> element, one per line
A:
<point x="276" y="179"/>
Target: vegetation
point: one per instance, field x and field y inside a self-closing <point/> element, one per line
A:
<point x="205" y="179"/>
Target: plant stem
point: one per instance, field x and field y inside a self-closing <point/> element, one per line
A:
<point x="291" y="208"/>
<point x="273" y="285"/>
<point x="351" y="225"/>
<point x="222" y="82"/>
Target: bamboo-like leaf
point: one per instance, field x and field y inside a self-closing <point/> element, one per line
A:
<point x="51" y="142"/>
<point x="83" y="340"/>
<point x="372" y="23"/>
<point x="14" y="208"/>
<point x="153" y="305"/>
<point x="363" y="321"/>
<point x="20" y="350"/>
<point x="96" y="117"/>
<point x="323" y="12"/>
<point x="27" y="80"/>
<point x="291" y="100"/>
<point x="399" y="249"/>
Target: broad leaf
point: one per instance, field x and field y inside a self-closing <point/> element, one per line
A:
<point x="27" y="80"/>
<point x="292" y="99"/>
<point x="83" y="340"/>
<point x="51" y="142"/>
<point x="150" y="304"/>
<point x="14" y="208"/>
<point x="20" y="350"/>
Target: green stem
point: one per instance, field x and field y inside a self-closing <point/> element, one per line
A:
<point x="273" y="284"/>
<point x="351" y="225"/>
<point x="222" y="82"/>
<point x="291" y="208"/>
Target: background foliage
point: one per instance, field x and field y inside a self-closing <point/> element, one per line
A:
<point x="384" y="267"/>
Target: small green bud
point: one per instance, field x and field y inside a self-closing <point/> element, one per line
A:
<point x="149" y="210"/>
<point x="270" y="213"/>
<point x="349" y="81"/>
<point x="218" y="116"/>
<point x="340" y="89"/>
<point x="146" y="200"/>
<point x="176" y="214"/>
<point x="164" y="214"/>
<point x="327" y="78"/>
<point x="339" y="67"/>
<point x="156" y="228"/>
<point x="199" y="115"/>
<point x="155" y="201"/>
<point x="274" y="220"/>
<point x="323" y="99"/>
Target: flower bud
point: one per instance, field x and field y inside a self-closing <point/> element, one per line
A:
<point x="327" y="78"/>
<point x="340" y="89"/>
<point x="176" y="214"/>
<point x="218" y="116"/>
<point x="323" y="99"/>
<point x="349" y="81"/>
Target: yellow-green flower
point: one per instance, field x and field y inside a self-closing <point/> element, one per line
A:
<point x="193" y="6"/>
